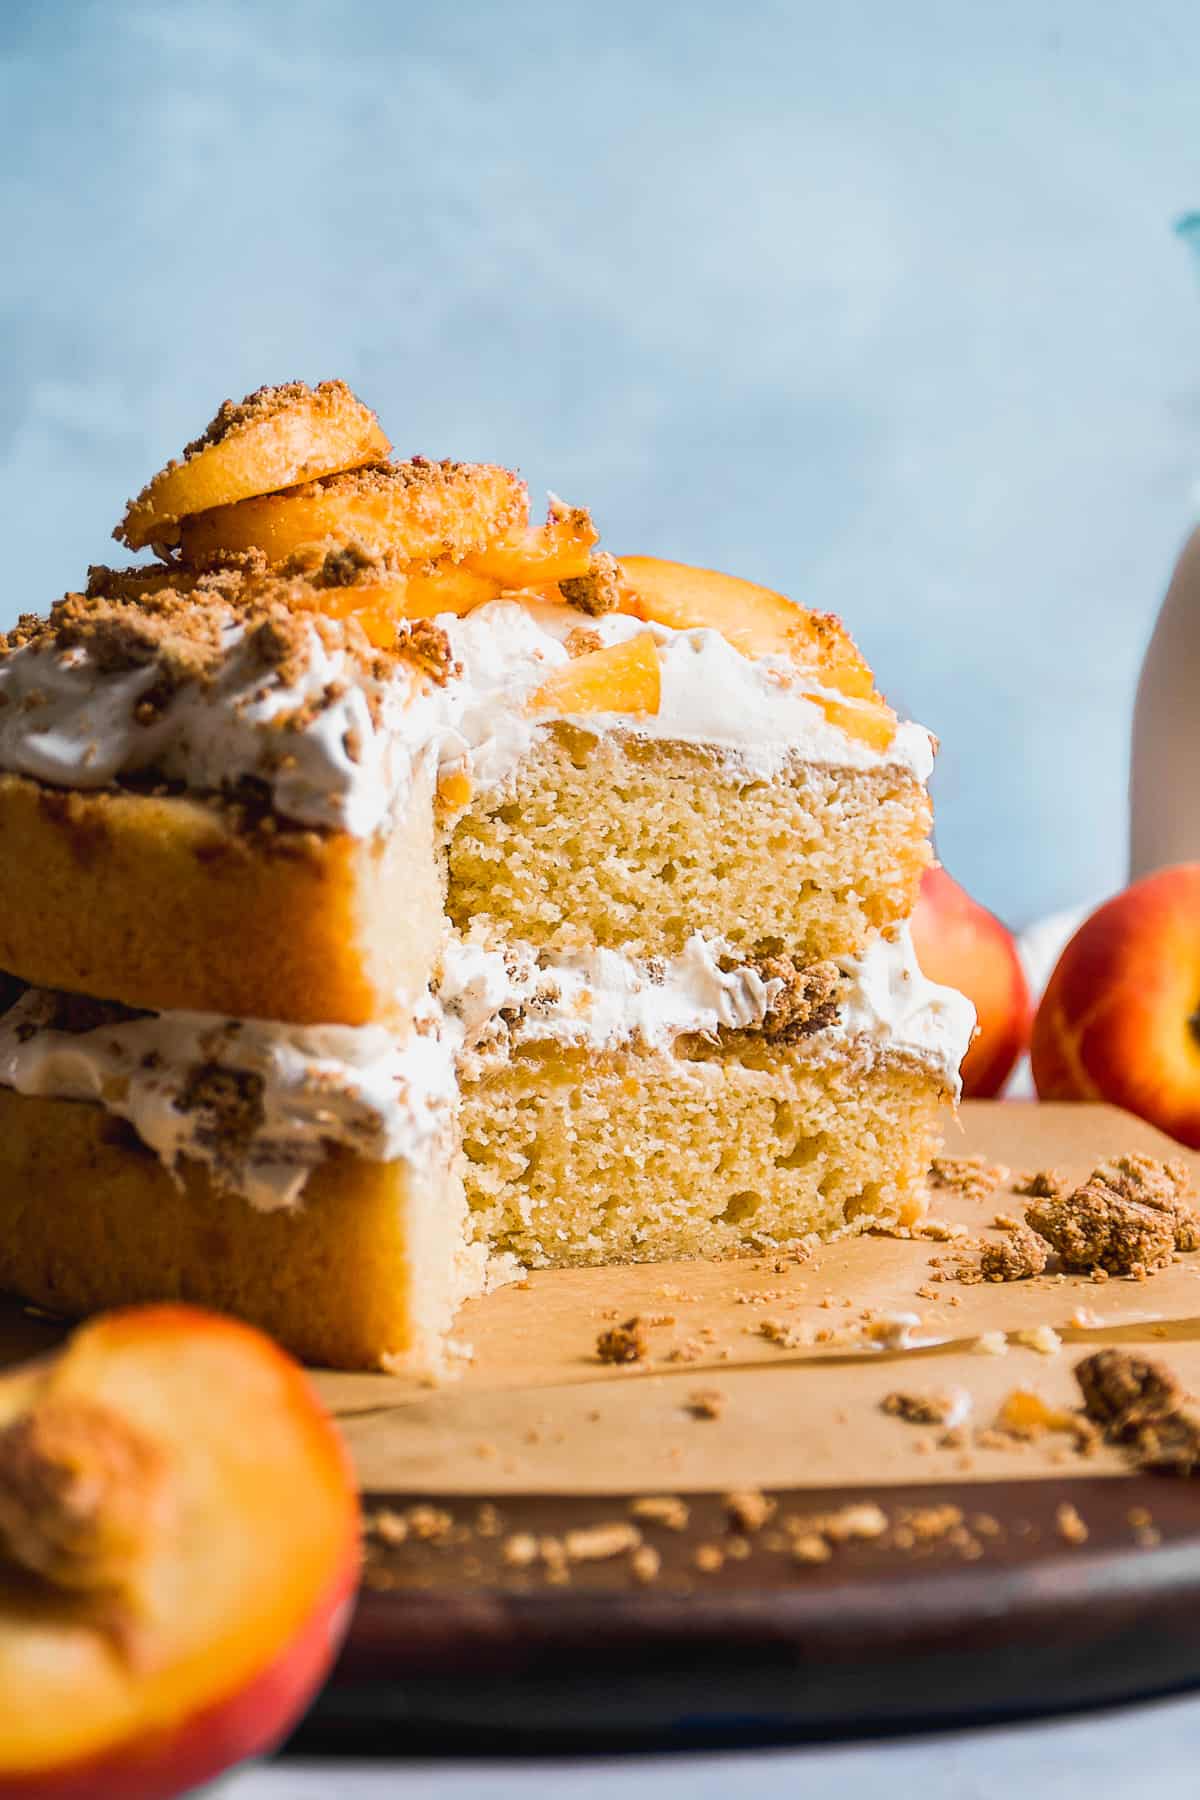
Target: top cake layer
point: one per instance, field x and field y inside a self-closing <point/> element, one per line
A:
<point x="265" y="780"/>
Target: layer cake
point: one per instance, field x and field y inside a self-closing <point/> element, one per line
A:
<point x="394" y="893"/>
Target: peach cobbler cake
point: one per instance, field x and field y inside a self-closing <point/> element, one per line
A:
<point x="395" y="891"/>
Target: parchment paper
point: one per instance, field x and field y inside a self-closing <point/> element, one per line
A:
<point x="534" y="1410"/>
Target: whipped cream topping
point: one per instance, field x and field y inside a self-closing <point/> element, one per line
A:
<point x="67" y="723"/>
<point x="759" y="709"/>
<point x="354" y="738"/>
<point x="260" y="1103"/>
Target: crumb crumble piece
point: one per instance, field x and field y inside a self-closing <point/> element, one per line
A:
<point x="597" y="592"/>
<point x="520" y="1550"/>
<point x="799" y="1336"/>
<point x="431" y="1524"/>
<point x="582" y="642"/>
<point x="1141" y="1404"/>
<point x="1020" y="1254"/>
<point x="1122" y="1393"/>
<point x="805" y="1001"/>
<point x="749" y="1509"/>
<point x="625" y="1343"/>
<point x="861" y="1520"/>
<point x="388" y="1525"/>
<point x="920" y="1409"/>
<point x="645" y="1564"/>
<point x="972" y="1176"/>
<point x="227" y="1103"/>
<point x="706" y="1403"/>
<point x="596" y="1543"/>
<point x="1163" y="1185"/>
<point x="427" y="645"/>
<point x="1069" y="1525"/>
<point x="667" y="1510"/>
<point x="1097" y="1226"/>
<point x="1128" y="1218"/>
<point x="1041" y="1184"/>
<point x="810" y="1547"/>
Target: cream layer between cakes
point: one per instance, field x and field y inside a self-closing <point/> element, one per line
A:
<point x="295" y="1092"/>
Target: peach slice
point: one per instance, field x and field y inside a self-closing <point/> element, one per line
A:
<point x="446" y="587"/>
<point x="421" y="592"/>
<point x="755" y="620"/>
<point x="454" y="790"/>
<point x="624" y="678"/>
<point x="539" y="556"/>
<point x="402" y="512"/>
<point x="179" y="1544"/>
<point x="272" y="439"/>
<point x="871" y="721"/>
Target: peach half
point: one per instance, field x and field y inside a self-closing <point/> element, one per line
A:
<point x="1120" y="1018"/>
<point x="179" y="1546"/>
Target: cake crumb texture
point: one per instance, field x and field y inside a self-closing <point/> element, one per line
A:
<point x="574" y="1158"/>
<point x="626" y="844"/>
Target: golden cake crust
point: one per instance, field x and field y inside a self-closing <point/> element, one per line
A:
<point x="167" y="901"/>
<point x="89" y="1218"/>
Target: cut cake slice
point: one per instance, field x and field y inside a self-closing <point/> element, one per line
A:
<point x="520" y="904"/>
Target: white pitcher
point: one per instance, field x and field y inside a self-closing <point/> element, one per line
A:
<point x="1164" y="780"/>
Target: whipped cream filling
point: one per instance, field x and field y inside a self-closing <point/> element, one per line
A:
<point x="337" y="746"/>
<point x="260" y="1103"/>
<point x="597" y="999"/>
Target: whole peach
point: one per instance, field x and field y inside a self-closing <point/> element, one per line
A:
<point x="1120" y="1018"/>
<point x="961" y="943"/>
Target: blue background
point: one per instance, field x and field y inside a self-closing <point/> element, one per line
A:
<point x="877" y="303"/>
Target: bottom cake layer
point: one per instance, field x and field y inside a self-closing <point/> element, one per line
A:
<point x="367" y="1271"/>
<point x="704" y="1150"/>
<point x="567" y="1158"/>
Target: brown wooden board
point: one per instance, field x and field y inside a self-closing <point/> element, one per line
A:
<point x="997" y="1614"/>
<point x="462" y="1655"/>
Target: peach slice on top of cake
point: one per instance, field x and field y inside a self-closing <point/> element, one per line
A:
<point x="754" y="619"/>
<point x="402" y="512"/>
<point x="623" y="678"/>
<point x="273" y="438"/>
